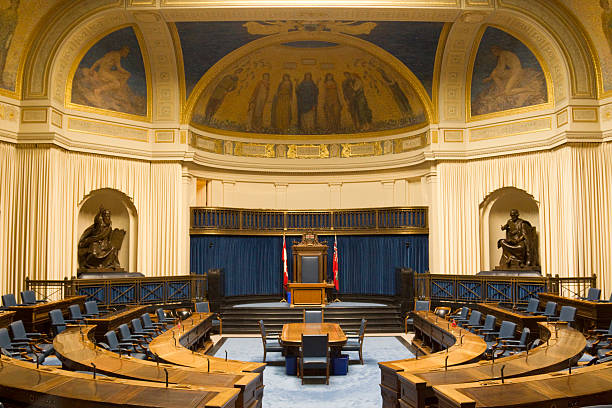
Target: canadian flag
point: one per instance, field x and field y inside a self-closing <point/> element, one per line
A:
<point x="285" y="273"/>
<point x="335" y="264"/>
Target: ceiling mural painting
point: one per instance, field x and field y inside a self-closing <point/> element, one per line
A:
<point x="17" y="21"/>
<point x="506" y="75"/>
<point x="313" y="78"/>
<point x="112" y="75"/>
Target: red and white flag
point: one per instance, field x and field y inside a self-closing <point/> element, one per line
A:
<point x="335" y="264"/>
<point x="285" y="273"/>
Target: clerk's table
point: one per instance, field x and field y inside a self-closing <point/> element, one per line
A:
<point x="291" y="336"/>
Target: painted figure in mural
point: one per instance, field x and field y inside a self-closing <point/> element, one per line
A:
<point x="108" y="73"/>
<point x="99" y="245"/>
<point x="281" y="105"/>
<point x="331" y="104"/>
<point x="606" y="20"/>
<point x="257" y="103"/>
<point x="307" y="99"/>
<point x="227" y="84"/>
<point x="507" y="74"/>
<point x="398" y="95"/>
<point x="364" y="113"/>
<point x="349" y="97"/>
<point x="8" y="22"/>
<point x="519" y="248"/>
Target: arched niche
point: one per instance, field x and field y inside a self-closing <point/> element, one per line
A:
<point x="123" y="216"/>
<point x="494" y="212"/>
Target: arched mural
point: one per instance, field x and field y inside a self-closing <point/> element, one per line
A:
<point x="506" y="75"/>
<point x="112" y="75"/>
<point x="315" y="84"/>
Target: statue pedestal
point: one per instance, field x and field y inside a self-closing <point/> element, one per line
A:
<point x="106" y="274"/>
<point x="511" y="272"/>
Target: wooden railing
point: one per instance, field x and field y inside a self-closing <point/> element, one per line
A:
<point x="510" y="290"/>
<point x="206" y="220"/>
<point x="125" y="291"/>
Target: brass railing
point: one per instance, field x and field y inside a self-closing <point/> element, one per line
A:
<point x="125" y="291"/>
<point x="207" y="220"/>
<point x="501" y="289"/>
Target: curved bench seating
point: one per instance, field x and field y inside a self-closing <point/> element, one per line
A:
<point x="564" y="344"/>
<point x="585" y="386"/>
<point x="470" y="348"/>
<point x="21" y="383"/>
<point x="77" y="351"/>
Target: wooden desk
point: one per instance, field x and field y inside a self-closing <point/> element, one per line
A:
<point x="461" y="352"/>
<point x="6" y="318"/>
<point x="564" y="343"/>
<point x="291" y="336"/>
<point x="113" y="320"/>
<point x="76" y="351"/>
<point x="192" y="331"/>
<point x="588" y="314"/>
<point x="308" y="294"/>
<point x="21" y="383"/>
<point x="36" y="317"/>
<point x="586" y="386"/>
<point x="521" y="320"/>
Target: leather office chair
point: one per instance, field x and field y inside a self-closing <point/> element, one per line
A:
<point x="532" y="306"/>
<point x="58" y="324"/>
<point x="549" y="310"/>
<point x="18" y="350"/>
<point x="113" y="344"/>
<point x="355" y="343"/>
<point x="9" y="300"/>
<point x="474" y="320"/>
<point x="488" y="326"/>
<point x="462" y="315"/>
<point x="592" y="295"/>
<point x="598" y="338"/>
<point x="506" y="332"/>
<point x="92" y="309"/>
<point x="313" y="316"/>
<point x="508" y="347"/>
<point x="36" y="341"/>
<point x="567" y="314"/>
<point x="147" y="323"/>
<point x="28" y="297"/>
<point x="204" y="307"/>
<point x="75" y="314"/>
<point x="442" y="311"/>
<point x="161" y="317"/>
<point x="314" y="352"/>
<point x="270" y="343"/>
<point x="126" y="335"/>
<point x="419" y="305"/>
<point x="138" y="329"/>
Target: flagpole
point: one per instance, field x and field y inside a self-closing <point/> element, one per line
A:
<point x="285" y="274"/>
<point x="335" y="269"/>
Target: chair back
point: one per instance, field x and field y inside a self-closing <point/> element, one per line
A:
<point x="532" y="306"/>
<point x="5" y="340"/>
<point x="474" y="318"/>
<point x="464" y="312"/>
<point x="507" y="329"/>
<point x="111" y="339"/>
<point x="362" y="328"/>
<point x="146" y="320"/>
<point x="489" y="323"/>
<point x="442" y="311"/>
<point x="137" y="325"/>
<point x="315" y="345"/>
<point x="91" y="308"/>
<point x="202" y="307"/>
<point x="524" y="336"/>
<point x="551" y="308"/>
<point x="9" y="300"/>
<point x="18" y="330"/>
<point x="593" y="294"/>
<point x="57" y="320"/>
<point x="568" y="313"/>
<point x="161" y="316"/>
<point x="28" y="297"/>
<point x="124" y="332"/>
<point x="75" y="312"/>
<point x="420" y="305"/>
<point x="313" y="316"/>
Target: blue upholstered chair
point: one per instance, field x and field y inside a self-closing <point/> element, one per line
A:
<point x="58" y="324"/>
<point x="549" y="310"/>
<point x="204" y="307"/>
<point x="506" y="332"/>
<point x="137" y="328"/>
<point x="531" y="308"/>
<point x="313" y="316"/>
<point x="76" y="315"/>
<point x="147" y="323"/>
<point x="355" y="343"/>
<point x="124" y="347"/>
<point x="92" y="309"/>
<point x="28" y="297"/>
<point x="37" y="341"/>
<point x="598" y="338"/>
<point x="161" y="317"/>
<point x="314" y="352"/>
<point x="508" y="347"/>
<point x="270" y="343"/>
<point x="567" y="314"/>
<point x="488" y="326"/>
<point x="462" y="315"/>
<point x="9" y="300"/>
<point x="419" y="305"/>
<point x="593" y="295"/>
<point x="14" y="349"/>
<point x="474" y="320"/>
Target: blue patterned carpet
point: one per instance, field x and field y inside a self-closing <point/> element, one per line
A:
<point x="359" y="389"/>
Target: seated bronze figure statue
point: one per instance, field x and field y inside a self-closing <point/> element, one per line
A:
<point x="100" y="244"/>
<point x="519" y="248"/>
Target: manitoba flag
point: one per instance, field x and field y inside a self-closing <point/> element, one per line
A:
<point x="335" y="264"/>
<point x="285" y="274"/>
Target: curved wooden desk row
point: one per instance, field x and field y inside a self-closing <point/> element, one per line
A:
<point x="585" y="386"/>
<point x="36" y="317"/>
<point x="22" y="384"/>
<point x="6" y="318"/>
<point x="588" y="314"/>
<point x="77" y="351"/>
<point x="564" y="344"/>
<point x="171" y="347"/>
<point x="469" y="348"/>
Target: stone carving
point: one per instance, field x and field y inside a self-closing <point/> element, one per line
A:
<point x="519" y="248"/>
<point x="100" y="244"/>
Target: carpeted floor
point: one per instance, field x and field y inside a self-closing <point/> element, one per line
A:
<point x="359" y="389"/>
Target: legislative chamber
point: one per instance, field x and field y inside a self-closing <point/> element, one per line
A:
<point x="263" y="204"/>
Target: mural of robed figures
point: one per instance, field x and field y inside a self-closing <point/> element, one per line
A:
<point x="112" y="76"/>
<point x="8" y="23"/>
<point x="506" y="75"/>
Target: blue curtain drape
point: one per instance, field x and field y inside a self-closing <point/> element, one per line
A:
<point x="253" y="266"/>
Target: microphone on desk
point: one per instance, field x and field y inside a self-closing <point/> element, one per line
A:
<point x="446" y="363"/>
<point x="166" y="370"/>
<point x="94" y="370"/>
<point x="502" y="373"/>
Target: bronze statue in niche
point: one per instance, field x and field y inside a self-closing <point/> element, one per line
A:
<point x="519" y="248"/>
<point x="100" y="244"/>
